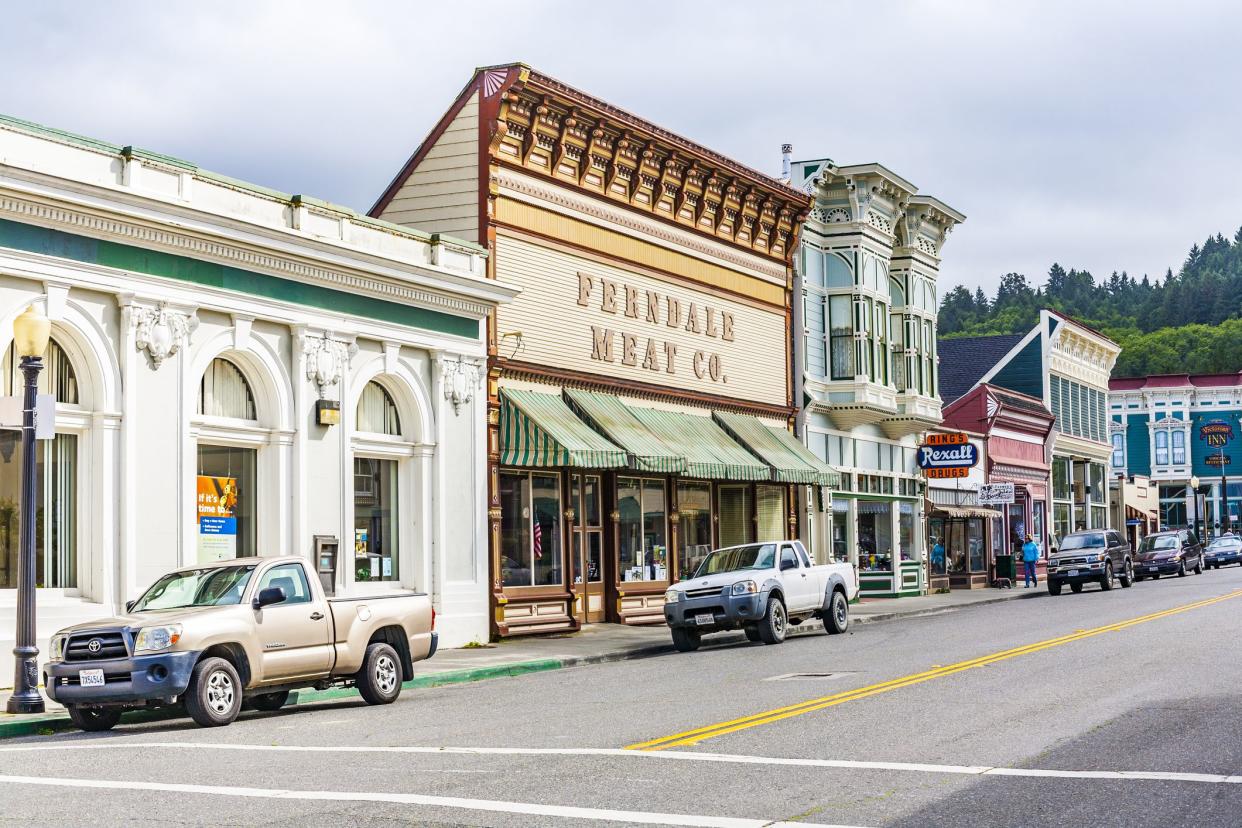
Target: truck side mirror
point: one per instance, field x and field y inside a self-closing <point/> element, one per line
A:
<point x="266" y="597"/>
<point x="788" y="564"/>
<point x="129" y="606"/>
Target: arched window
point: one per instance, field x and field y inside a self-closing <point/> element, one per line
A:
<point x="377" y="413"/>
<point x="57" y="376"/>
<point x="224" y="392"/>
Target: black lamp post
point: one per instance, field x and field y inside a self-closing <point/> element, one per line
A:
<point x="31" y="331"/>
<point x="1224" y="491"/>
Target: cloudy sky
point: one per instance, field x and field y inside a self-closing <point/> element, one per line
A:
<point x="1103" y="135"/>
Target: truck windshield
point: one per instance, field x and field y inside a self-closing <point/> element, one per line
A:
<point x="752" y="556"/>
<point x="1092" y="541"/>
<point x="209" y="587"/>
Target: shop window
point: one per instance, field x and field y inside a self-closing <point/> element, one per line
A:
<point x="642" y="553"/>
<point x="377" y="413"/>
<point x="56" y="461"/>
<point x="1037" y="525"/>
<point x="226" y="503"/>
<point x="57" y="377"/>
<point x="974" y="545"/>
<point x="375" y="519"/>
<point x="840" y="530"/>
<point x="530" y="529"/>
<point x="1017" y="527"/>
<point x="1060" y="520"/>
<point x="1060" y="478"/>
<point x="905" y="530"/>
<point x="937" y="540"/>
<point x="770" y="512"/>
<point x="875" y="535"/>
<point x="998" y="535"/>
<point x="224" y="392"/>
<point x="694" y="525"/>
<point x="734" y="515"/>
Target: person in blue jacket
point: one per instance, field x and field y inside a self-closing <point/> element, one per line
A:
<point x="1030" y="554"/>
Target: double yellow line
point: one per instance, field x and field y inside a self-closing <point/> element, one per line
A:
<point x="692" y="737"/>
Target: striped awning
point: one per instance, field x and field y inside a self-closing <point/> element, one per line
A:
<point x="617" y="422"/>
<point x="707" y="449"/>
<point x="790" y="461"/>
<point x="540" y="430"/>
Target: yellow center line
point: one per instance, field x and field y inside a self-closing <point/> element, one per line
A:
<point x="692" y="737"/>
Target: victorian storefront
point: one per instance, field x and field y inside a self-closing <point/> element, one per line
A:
<point x="238" y="372"/>
<point x="868" y="378"/>
<point x="961" y="534"/>
<point x="639" y="384"/>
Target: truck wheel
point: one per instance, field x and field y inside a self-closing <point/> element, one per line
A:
<point x="837" y="620"/>
<point x="752" y="632"/>
<point x="686" y="640"/>
<point x="1054" y="588"/>
<point x="93" y="719"/>
<point x="379" y="680"/>
<point x="269" y="702"/>
<point x="1076" y="587"/>
<point x="1127" y="576"/>
<point x="214" y="695"/>
<point x="1106" y="582"/>
<point x="775" y="622"/>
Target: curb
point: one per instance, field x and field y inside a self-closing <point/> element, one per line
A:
<point x="49" y="723"/>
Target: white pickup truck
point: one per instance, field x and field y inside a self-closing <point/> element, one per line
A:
<point x="762" y="588"/>
<point x="211" y="636"/>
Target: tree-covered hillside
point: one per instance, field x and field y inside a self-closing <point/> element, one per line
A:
<point x="1189" y="321"/>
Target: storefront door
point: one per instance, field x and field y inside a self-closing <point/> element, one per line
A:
<point x="588" y="547"/>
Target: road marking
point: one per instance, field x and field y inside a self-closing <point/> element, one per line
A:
<point x="693" y="737"/>
<point x="677" y="756"/>
<point x="493" y="806"/>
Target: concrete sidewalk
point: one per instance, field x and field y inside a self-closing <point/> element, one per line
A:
<point x="596" y="644"/>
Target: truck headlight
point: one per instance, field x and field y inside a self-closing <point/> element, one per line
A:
<point x="672" y="596"/>
<point x="1101" y="556"/>
<point x="745" y="588"/>
<point x="1052" y="563"/>
<point x="150" y="639"/>
<point x="56" y="649"/>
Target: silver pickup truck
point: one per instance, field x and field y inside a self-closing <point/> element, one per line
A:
<point x="762" y="588"/>
<point x="245" y="630"/>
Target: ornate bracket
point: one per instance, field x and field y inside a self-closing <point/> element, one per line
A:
<point x="161" y="332"/>
<point x="461" y="378"/>
<point x="326" y="360"/>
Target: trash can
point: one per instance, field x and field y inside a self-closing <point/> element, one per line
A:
<point x="1006" y="567"/>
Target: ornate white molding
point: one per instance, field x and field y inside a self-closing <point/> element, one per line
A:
<point x="218" y="250"/>
<point x="161" y="332"/>
<point x="326" y="361"/>
<point x="461" y="378"/>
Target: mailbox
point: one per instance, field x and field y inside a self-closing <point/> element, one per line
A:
<point x="325" y="561"/>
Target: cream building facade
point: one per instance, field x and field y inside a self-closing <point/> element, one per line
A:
<point x="206" y="333"/>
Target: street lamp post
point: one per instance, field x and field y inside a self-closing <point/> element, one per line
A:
<point x="1193" y="488"/>
<point x="31" y="331"/>
<point x="1224" y="493"/>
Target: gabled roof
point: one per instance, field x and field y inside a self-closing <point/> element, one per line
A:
<point x="965" y="360"/>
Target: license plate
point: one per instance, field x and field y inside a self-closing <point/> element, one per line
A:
<point x="704" y="619"/>
<point x="1153" y="568"/>
<point x="90" y="678"/>
<point x="1072" y="573"/>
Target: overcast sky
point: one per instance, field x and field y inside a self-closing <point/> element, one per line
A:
<point x="1101" y="135"/>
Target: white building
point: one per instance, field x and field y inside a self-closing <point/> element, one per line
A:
<point x="197" y="323"/>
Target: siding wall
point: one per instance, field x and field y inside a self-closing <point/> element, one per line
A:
<point x="442" y="194"/>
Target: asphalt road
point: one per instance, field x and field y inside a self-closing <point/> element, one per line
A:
<point x="1106" y="709"/>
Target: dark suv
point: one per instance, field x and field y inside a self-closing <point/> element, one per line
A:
<point x="1098" y="556"/>
<point x="1166" y="553"/>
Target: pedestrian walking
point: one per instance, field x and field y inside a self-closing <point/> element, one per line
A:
<point x="1030" y="554"/>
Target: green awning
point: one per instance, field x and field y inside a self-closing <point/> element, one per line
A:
<point x="791" y="462"/>
<point x="708" y="451"/>
<point x="617" y="422"/>
<point x="541" y="430"/>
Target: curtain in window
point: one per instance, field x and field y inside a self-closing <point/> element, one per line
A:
<point x="770" y="511"/>
<point x="734" y="515"/>
<point x="224" y="392"/>
<point x="57" y="377"/>
<point x="842" y="337"/>
<point x="377" y="413"/>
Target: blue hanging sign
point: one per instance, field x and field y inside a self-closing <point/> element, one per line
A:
<point x="939" y="461"/>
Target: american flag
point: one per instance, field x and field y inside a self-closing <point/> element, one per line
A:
<point x="538" y="541"/>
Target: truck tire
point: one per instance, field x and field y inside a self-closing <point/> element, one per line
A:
<point x="752" y="632"/>
<point x="214" y="695"/>
<point x="775" y="623"/>
<point x="1054" y="588"/>
<point x="1106" y="580"/>
<point x="270" y="702"/>
<point x="379" y="680"/>
<point x="686" y="640"/>
<point x="1127" y="576"/>
<point x="93" y="719"/>
<point x="837" y="619"/>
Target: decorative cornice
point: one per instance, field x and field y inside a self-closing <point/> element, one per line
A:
<point x="217" y="250"/>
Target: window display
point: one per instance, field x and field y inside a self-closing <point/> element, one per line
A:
<point x="530" y="529"/>
<point x="875" y="535"/>
<point x="225" y="504"/>
<point x="375" y="519"/>
<point x="642" y="552"/>
<point x="694" y="525"/>
<point x="905" y="531"/>
<point x="840" y="530"/>
<point x="937" y="539"/>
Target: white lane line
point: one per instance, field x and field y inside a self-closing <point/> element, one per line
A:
<point x="670" y="755"/>
<point x="493" y="806"/>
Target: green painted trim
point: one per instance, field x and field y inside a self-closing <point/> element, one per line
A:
<point x="63" y="245"/>
<point x="868" y="496"/>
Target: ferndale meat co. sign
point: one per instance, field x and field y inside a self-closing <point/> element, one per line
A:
<point x="947" y="455"/>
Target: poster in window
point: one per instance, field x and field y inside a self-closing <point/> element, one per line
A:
<point x="361" y="543"/>
<point x="217" y="518"/>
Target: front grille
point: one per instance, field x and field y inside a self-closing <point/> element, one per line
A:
<point x="110" y="644"/>
<point x="703" y="592"/>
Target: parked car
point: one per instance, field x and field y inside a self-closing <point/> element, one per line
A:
<point x="1224" y="550"/>
<point x="763" y="588"/>
<point x="251" y="630"/>
<point x="1165" y="553"/>
<point x="1096" y="556"/>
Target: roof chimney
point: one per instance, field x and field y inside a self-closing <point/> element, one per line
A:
<point x="786" y="157"/>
